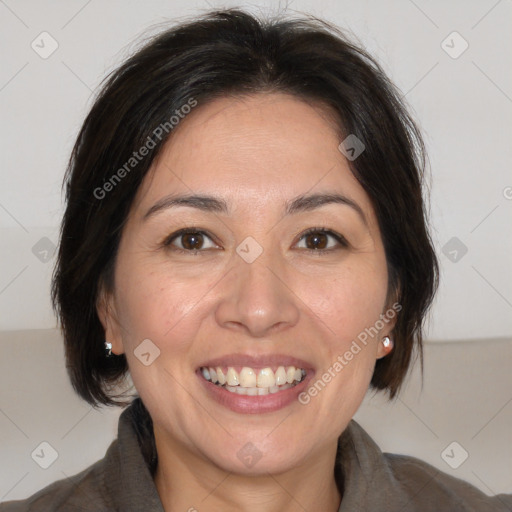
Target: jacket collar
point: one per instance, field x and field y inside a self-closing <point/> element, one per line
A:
<point x="127" y="477"/>
<point x="369" y="483"/>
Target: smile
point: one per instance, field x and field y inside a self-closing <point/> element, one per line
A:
<point x="254" y="382"/>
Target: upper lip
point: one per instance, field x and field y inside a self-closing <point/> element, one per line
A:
<point x="257" y="361"/>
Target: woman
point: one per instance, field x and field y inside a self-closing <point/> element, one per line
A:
<point x="245" y="233"/>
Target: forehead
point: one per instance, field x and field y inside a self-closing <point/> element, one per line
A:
<point x="255" y="150"/>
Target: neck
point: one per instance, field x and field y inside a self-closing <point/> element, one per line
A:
<point x="186" y="482"/>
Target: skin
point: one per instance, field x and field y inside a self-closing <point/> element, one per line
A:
<point x="257" y="153"/>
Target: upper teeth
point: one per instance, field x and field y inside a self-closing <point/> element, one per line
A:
<point x="250" y="378"/>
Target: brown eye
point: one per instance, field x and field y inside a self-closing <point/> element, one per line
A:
<point x="316" y="241"/>
<point x="190" y="241"/>
<point x="319" y="240"/>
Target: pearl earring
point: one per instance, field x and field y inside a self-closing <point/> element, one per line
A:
<point x="387" y="342"/>
<point x="108" y="348"/>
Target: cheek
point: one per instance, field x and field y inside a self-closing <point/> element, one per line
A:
<point x="350" y="303"/>
<point x="167" y="309"/>
<point x="160" y="305"/>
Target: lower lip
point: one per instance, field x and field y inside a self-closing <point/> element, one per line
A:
<point x="255" y="404"/>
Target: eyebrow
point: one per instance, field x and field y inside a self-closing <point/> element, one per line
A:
<point x="311" y="202"/>
<point x="204" y="203"/>
<point x="299" y="204"/>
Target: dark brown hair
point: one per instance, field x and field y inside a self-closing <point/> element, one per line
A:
<point x="224" y="53"/>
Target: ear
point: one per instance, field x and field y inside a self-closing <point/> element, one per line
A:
<point x="106" y="309"/>
<point x="389" y="317"/>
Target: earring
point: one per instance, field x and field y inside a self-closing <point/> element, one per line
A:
<point x="108" y="348"/>
<point x="387" y="342"/>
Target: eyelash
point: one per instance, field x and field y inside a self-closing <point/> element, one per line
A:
<point x="197" y="231"/>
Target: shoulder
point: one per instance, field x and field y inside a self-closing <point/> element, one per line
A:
<point x="80" y="492"/>
<point x="428" y="488"/>
<point x="386" y="482"/>
<point x="122" y="480"/>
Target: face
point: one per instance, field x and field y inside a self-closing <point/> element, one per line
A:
<point x="250" y="249"/>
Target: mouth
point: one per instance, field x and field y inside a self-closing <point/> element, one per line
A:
<point x="247" y="384"/>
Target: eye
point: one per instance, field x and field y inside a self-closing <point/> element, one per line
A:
<point x="320" y="239"/>
<point x="190" y="240"/>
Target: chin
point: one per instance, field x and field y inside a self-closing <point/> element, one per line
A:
<point x="259" y="456"/>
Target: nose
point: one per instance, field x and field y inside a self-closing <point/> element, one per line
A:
<point x="257" y="299"/>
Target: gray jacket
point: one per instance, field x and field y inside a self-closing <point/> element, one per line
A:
<point x="369" y="480"/>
